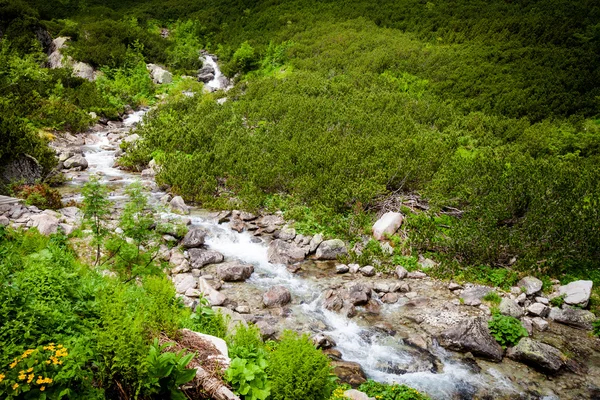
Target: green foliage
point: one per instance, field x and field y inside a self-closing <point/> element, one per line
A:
<point x="384" y="391"/>
<point x="506" y="330"/>
<point x="167" y="372"/>
<point x="40" y="195"/>
<point x="244" y="60"/>
<point x="596" y="328"/>
<point x="204" y="319"/>
<point x="130" y="85"/>
<point x="96" y="207"/>
<point x="493" y="298"/>
<point x="558" y="301"/>
<point x="247" y="374"/>
<point x="298" y="370"/>
<point x="184" y="55"/>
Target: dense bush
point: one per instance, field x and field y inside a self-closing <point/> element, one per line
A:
<point x="40" y="195"/>
<point x="382" y="391"/>
<point x="506" y="330"/>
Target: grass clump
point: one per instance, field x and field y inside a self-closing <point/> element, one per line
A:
<point x="382" y="391"/>
<point x="492" y="298"/>
<point x="506" y="330"/>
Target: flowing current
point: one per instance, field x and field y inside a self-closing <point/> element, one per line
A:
<point x="377" y="353"/>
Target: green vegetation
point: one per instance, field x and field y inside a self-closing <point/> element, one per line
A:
<point x="596" y="330"/>
<point x="391" y="392"/>
<point x="506" y="330"/>
<point x="492" y="298"/>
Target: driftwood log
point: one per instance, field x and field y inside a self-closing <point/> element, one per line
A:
<point x="213" y="386"/>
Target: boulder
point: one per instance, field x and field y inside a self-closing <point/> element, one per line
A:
<point x="211" y="294"/>
<point x="234" y="271"/>
<point x="349" y="372"/>
<point x="540" y="324"/>
<point x="23" y="168"/>
<point x="390" y="298"/>
<point x="4" y="221"/>
<point x="473" y="296"/>
<point x="194" y="238"/>
<point x="277" y="296"/>
<point x="387" y="224"/>
<point x="280" y="252"/>
<point x="574" y="317"/>
<point x="331" y="249"/>
<point x="359" y="294"/>
<point x="539" y="355"/>
<point x="218" y="343"/>
<point x="286" y="233"/>
<point x="341" y="269"/>
<point x="46" y="224"/>
<point x="538" y="309"/>
<point x="472" y="336"/>
<point x="77" y="161"/>
<point x="178" y="205"/>
<point x="159" y="75"/>
<point x="315" y="242"/>
<point x="55" y="58"/>
<point x="67" y="228"/>
<point x="71" y="213"/>
<point x="530" y="285"/>
<point x="401" y="272"/>
<point x="510" y="307"/>
<point x="205" y="77"/>
<point x="201" y="257"/>
<point x="416" y="275"/>
<point x="454" y="286"/>
<point x="184" y="282"/>
<point x="354" y="394"/>
<point x="368" y="270"/>
<point x="85" y="71"/>
<point x="577" y="293"/>
<point x="323" y="341"/>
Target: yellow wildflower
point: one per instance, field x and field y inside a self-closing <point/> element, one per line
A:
<point x="2" y="376"/>
<point x="14" y="364"/>
<point x="29" y="370"/>
<point x="29" y="378"/>
<point x="15" y="386"/>
<point x="43" y="388"/>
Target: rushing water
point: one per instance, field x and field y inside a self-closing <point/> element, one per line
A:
<point x="356" y="342"/>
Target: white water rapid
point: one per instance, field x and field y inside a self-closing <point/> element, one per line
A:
<point x="383" y="357"/>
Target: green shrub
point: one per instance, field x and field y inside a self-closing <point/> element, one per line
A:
<point x="247" y="373"/>
<point x="167" y="372"/>
<point x="493" y="298"/>
<point x="40" y="195"/>
<point x="596" y="325"/>
<point x="558" y="301"/>
<point x="298" y="371"/>
<point x="244" y="60"/>
<point x="382" y="391"/>
<point x="506" y="330"/>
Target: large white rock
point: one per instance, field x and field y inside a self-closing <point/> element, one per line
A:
<point x="387" y="224"/>
<point x="159" y="75"/>
<point x="46" y="224"/>
<point x="214" y="297"/>
<point x="219" y="344"/>
<point x="577" y="292"/>
<point x="178" y="205"/>
<point x="184" y="282"/>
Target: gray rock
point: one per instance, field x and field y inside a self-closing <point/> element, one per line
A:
<point x="45" y="224"/>
<point x="472" y="336"/>
<point x="205" y="77"/>
<point x="474" y="295"/>
<point x="530" y="285"/>
<point x="184" y="282"/>
<point x="85" y="71"/>
<point x="181" y="268"/>
<point x="201" y="257"/>
<point x="280" y="252"/>
<point x="331" y="249"/>
<point x="542" y="300"/>
<point x="454" y="286"/>
<point x="341" y="269"/>
<point x="353" y="268"/>
<point x="388" y="224"/>
<point x="381" y="287"/>
<point x="23" y="168"/>
<point x="359" y="294"/>
<point x="401" y="272"/>
<point x="540" y="324"/>
<point x="416" y="275"/>
<point x="286" y="233"/>
<point x="66" y="228"/>
<point x="538" y="309"/>
<point x="234" y="271"/>
<point x="510" y="307"/>
<point x="77" y="161"/>
<point x="521" y="298"/>
<point x="368" y="270"/>
<point x="390" y="298"/>
<point x="132" y="138"/>
<point x="178" y="205"/>
<point x="315" y="242"/>
<point x="159" y="75"/>
<point x="323" y="341"/>
<point x="539" y="355"/>
<point x="574" y="317"/>
<point x="214" y="297"/>
<point x="71" y="213"/>
<point x="577" y="292"/>
<point x="353" y="394"/>
<point x="4" y="221"/>
<point x="194" y="238"/>
<point x="277" y="296"/>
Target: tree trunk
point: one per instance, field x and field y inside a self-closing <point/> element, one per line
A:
<point x="214" y="386"/>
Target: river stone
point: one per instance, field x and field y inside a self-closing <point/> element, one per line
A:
<point x="234" y="271"/>
<point x="23" y="168"/>
<point x="454" y="286"/>
<point x="46" y="224"/>
<point x="390" y="298"/>
<point x="315" y="242"/>
<point x="540" y="324"/>
<point x="349" y="372"/>
<point x="323" y="341"/>
<point x="354" y="394"/>
<point x="277" y="296"/>
<point x="359" y="294"/>
<point x="280" y="252"/>
<point x="159" y="75"/>
<point x="184" y="282"/>
<point x="510" y="307"/>
<point x="574" y="317"/>
<point x="368" y="270"/>
<point x="577" y="292"/>
<point x="331" y="249"/>
<point x="538" y="355"/>
<point x="417" y="275"/>
<point x="387" y="224"/>
<point x="194" y="238"/>
<point x="77" y="161"/>
<point x="531" y="285"/>
<point x="401" y="272"/>
<point x="178" y="205"/>
<point x="201" y="257"/>
<point x="214" y="297"/>
<point x="381" y="287"/>
<point x="4" y="221"/>
<point x="538" y="309"/>
<point x="472" y="336"/>
<point x="341" y="269"/>
<point x="474" y="295"/>
<point x="286" y="233"/>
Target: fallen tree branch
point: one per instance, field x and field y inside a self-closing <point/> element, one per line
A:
<point x="213" y="386"/>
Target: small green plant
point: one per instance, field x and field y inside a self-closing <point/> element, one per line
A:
<point x="207" y="321"/>
<point x="558" y="301"/>
<point x="596" y="328"/>
<point x="247" y="373"/>
<point x="96" y="207"/>
<point x="167" y="372"/>
<point x="493" y="298"/>
<point x="382" y="391"/>
<point x="506" y="330"/>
